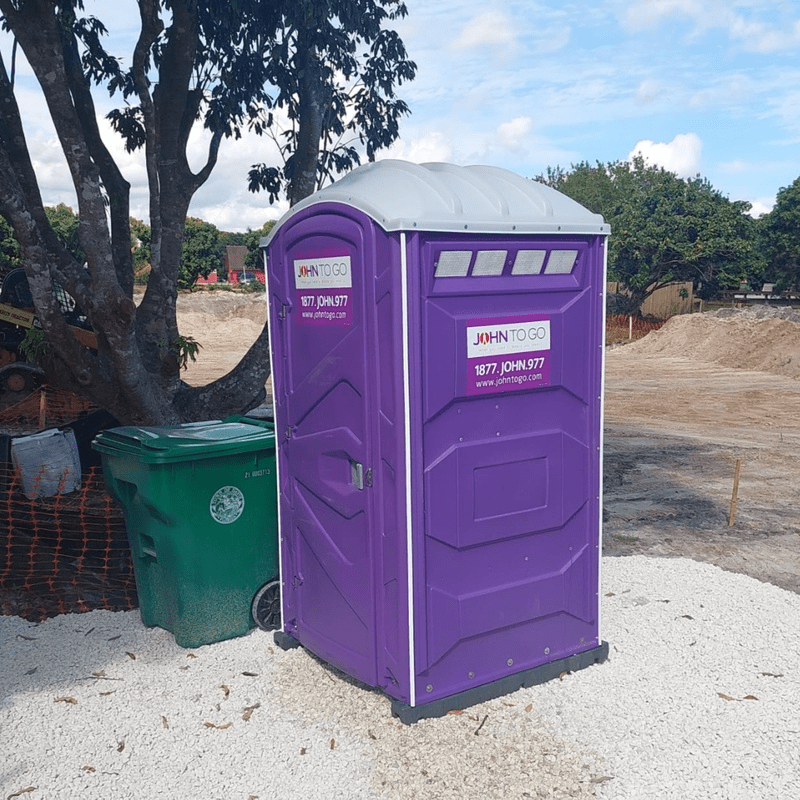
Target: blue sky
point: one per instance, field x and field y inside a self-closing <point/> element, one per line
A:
<point x="695" y="85"/>
<point x="698" y="86"/>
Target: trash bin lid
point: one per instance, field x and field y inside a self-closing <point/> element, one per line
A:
<point x="185" y="442"/>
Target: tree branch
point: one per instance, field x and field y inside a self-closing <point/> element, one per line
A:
<point x="117" y="188"/>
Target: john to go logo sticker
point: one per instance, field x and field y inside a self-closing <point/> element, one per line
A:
<point x="324" y="290"/>
<point x="227" y="505"/>
<point x="507" y="355"/>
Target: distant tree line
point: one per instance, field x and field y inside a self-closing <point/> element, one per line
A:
<point x="203" y="249"/>
<point x="665" y="228"/>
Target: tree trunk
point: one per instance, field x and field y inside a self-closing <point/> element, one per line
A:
<point x="314" y="100"/>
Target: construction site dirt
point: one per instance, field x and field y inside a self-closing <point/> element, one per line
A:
<point x="674" y="430"/>
<point x="681" y="407"/>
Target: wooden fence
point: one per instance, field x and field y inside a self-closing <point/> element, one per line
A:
<point x="675" y="298"/>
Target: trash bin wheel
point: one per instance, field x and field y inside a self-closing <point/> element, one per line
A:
<point x="266" y="606"/>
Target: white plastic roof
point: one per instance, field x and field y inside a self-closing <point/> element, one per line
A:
<point x="400" y="195"/>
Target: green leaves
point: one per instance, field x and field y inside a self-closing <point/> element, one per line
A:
<point x="9" y="249"/>
<point x="183" y="349"/>
<point x="34" y="346"/>
<point x="664" y="228"/>
<point x="200" y="252"/>
<point x="335" y="68"/>
<point x="780" y="237"/>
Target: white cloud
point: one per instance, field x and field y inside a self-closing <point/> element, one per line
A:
<point x="759" y="38"/>
<point x="753" y="35"/>
<point x="645" y="14"/>
<point x="760" y="207"/>
<point x="431" y="147"/>
<point x="732" y="90"/>
<point x="491" y="28"/>
<point x="494" y="29"/>
<point x="511" y="135"/>
<point x="239" y="211"/>
<point x="682" y="155"/>
<point x="552" y="39"/>
<point x="648" y="91"/>
<point x="735" y="167"/>
<point x="785" y="105"/>
<point x="51" y="170"/>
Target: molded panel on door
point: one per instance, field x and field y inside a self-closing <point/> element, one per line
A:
<point x="330" y="607"/>
<point x="576" y="320"/>
<point x="324" y="460"/>
<point x="483" y="491"/>
<point x="473" y="612"/>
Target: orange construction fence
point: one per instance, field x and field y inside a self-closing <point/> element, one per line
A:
<point x="62" y="554"/>
<point x="621" y="328"/>
<point x="66" y="553"/>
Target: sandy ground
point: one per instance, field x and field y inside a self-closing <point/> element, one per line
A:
<point x="675" y="427"/>
<point x="225" y="324"/>
<point x="682" y="405"/>
<point x="674" y="431"/>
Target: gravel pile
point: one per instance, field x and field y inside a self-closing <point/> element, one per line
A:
<point x="698" y="700"/>
<point x="760" y="312"/>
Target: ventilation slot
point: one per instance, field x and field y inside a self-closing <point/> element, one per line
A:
<point x="528" y="262"/>
<point x="489" y="262"/>
<point x="560" y="262"/>
<point x="453" y="264"/>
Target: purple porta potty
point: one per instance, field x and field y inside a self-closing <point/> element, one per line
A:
<point x="437" y="358"/>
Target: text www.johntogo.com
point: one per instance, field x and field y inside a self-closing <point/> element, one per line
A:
<point x="516" y="379"/>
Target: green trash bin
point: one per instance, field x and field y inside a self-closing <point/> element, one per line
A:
<point x="199" y="502"/>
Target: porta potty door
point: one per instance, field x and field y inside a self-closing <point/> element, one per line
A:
<point x="511" y="382"/>
<point x="317" y="308"/>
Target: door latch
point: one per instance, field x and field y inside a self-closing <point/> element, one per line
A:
<point x="359" y="476"/>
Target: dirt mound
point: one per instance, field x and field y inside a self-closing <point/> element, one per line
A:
<point x="225" y="305"/>
<point x="225" y="324"/>
<point x="761" y="339"/>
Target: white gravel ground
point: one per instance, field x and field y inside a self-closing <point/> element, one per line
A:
<point x="699" y="699"/>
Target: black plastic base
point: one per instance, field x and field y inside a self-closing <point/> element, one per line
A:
<point x="489" y="691"/>
<point x="285" y="640"/>
<point x="480" y="694"/>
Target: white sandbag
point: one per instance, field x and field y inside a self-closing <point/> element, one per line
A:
<point x="48" y="462"/>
